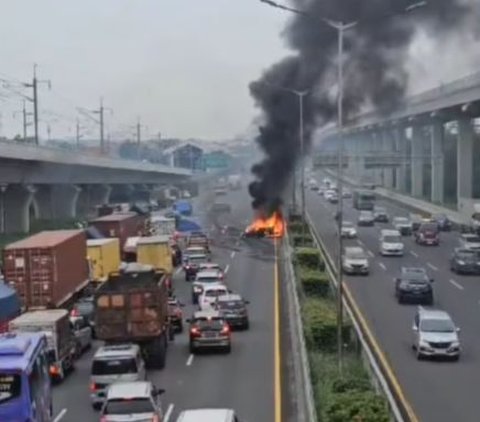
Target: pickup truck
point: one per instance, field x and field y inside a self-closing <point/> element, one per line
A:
<point x="132" y="307"/>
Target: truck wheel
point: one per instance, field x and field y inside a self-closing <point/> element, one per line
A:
<point x="171" y="333"/>
<point x="159" y="355"/>
<point x="180" y="327"/>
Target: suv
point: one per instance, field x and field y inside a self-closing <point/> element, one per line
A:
<point x="348" y="230"/>
<point x="208" y="415"/>
<point x="391" y="243"/>
<point x="192" y="264"/>
<point x="355" y="261"/>
<point x="202" y="279"/>
<point x="234" y="310"/>
<point x="133" y="400"/>
<point x="465" y="261"/>
<point x="443" y="222"/>
<point x="122" y="362"/>
<point x="210" y="293"/>
<point x="209" y="330"/>
<point x="435" y="334"/>
<point x="366" y="218"/>
<point x="428" y="234"/>
<point x="380" y="214"/>
<point x="414" y="285"/>
<point x="403" y="225"/>
<point x="470" y="241"/>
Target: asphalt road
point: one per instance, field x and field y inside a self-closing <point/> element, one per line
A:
<point x="438" y="391"/>
<point x="243" y="380"/>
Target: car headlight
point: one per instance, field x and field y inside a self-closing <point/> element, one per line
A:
<point x="197" y="289"/>
<point x="455" y="344"/>
<point x="460" y="262"/>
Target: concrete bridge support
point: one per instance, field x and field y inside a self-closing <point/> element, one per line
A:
<point x="377" y="145"/>
<point x="466" y="137"/>
<point x="388" y="147"/>
<point x="15" y="208"/>
<point x="401" y="148"/>
<point x="90" y="197"/>
<point x="121" y="193"/>
<point x="437" y="161"/>
<point x="417" y="161"/>
<point x="56" y="201"/>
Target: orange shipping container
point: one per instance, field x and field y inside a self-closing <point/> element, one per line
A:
<point x="47" y="268"/>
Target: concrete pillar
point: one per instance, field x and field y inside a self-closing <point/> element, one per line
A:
<point x="401" y="148"/>
<point x="43" y="203"/>
<point x="100" y="194"/>
<point x="466" y="137"/>
<point x="438" y="171"/>
<point x="388" y="149"/>
<point x="417" y="161"/>
<point x="16" y="204"/>
<point x="64" y="199"/>
<point x="90" y="197"/>
<point x="377" y="146"/>
<point x="121" y="193"/>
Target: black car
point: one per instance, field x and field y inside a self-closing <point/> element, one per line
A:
<point x="233" y="308"/>
<point x="465" y="261"/>
<point x="414" y="285"/>
<point x="443" y="222"/>
<point x="192" y="264"/>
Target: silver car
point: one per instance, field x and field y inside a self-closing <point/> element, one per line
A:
<point x="209" y="330"/>
<point x="435" y="334"/>
<point x="470" y="241"/>
<point x="132" y="401"/>
<point x="355" y="261"/>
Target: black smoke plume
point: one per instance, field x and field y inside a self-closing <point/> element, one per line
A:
<point x="375" y="56"/>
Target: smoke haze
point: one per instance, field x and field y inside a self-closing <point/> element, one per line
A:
<point x="376" y="56"/>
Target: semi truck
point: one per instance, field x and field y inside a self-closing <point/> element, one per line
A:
<point x="132" y="307"/>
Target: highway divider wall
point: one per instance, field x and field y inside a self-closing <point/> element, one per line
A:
<point x="345" y="396"/>
<point x="382" y="376"/>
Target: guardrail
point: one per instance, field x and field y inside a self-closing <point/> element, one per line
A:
<point x="379" y="367"/>
<point x="307" y="412"/>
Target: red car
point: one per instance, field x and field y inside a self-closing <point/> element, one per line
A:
<point x="428" y="234"/>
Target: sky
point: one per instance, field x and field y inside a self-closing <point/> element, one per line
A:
<point x="182" y="65"/>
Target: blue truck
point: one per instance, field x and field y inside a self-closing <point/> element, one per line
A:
<point x="183" y="207"/>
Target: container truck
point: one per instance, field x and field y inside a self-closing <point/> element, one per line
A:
<point x="103" y="256"/>
<point x="132" y="307"/>
<point x="183" y="207"/>
<point x="121" y="226"/>
<point x="47" y="269"/>
<point x="155" y="251"/>
<point x="55" y="324"/>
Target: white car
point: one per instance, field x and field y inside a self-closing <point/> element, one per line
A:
<point x="209" y="295"/>
<point x="202" y="279"/>
<point x="348" y="230"/>
<point x="470" y="241"/>
<point x="403" y="225"/>
<point x="391" y="243"/>
<point x="329" y="193"/>
<point x="355" y="261"/>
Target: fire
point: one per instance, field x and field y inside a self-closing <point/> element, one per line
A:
<point x="273" y="226"/>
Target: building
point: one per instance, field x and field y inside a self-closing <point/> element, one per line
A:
<point x="186" y="156"/>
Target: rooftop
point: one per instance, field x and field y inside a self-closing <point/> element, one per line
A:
<point x="16" y="349"/>
<point x="125" y="390"/>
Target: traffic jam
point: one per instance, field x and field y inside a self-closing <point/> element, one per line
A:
<point x="111" y="287"/>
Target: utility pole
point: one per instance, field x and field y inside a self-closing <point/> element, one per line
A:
<point x="139" y="136"/>
<point x="34" y="86"/>
<point x="77" y="133"/>
<point x="49" y="131"/>
<point x="25" y="123"/>
<point x="101" y="121"/>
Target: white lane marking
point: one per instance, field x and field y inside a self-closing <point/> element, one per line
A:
<point x="232" y="255"/>
<point x="60" y="415"/>
<point x="190" y="360"/>
<point x="382" y="266"/>
<point x="178" y="270"/>
<point x="413" y="253"/>
<point x="168" y="413"/>
<point x="371" y="254"/>
<point x="227" y="268"/>
<point x="457" y="285"/>
<point x="360" y="242"/>
<point x="433" y="267"/>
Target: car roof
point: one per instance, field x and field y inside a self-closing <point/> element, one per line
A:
<point x="354" y="249"/>
<point x="465" y="250"/>
<point x="230" y="297"/>
<point x="195" y="248"/>
<point x="214" y="286"/>
<point x="197" y="255"/>
<point x="400" y="217"/>
<point x="210" y="265"/>
<point x="125" y="390"/>
<point x="389" y="232"/>
<point x="206" y="415"/>
<point x="433" y="314"/>
<point x="417" y="270"/>
<point x="469" y="235"/>
<point x="207" y="273"/>
<point x="117" y="350"/>
<point x="210" y="313"/>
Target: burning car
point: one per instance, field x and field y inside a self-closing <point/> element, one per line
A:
<point x="273" y="226"/>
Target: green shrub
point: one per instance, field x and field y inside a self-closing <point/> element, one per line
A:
<point x="309" y="258"/>
<point x="296" y="227"/>
<point x="345" y="384"/>
<point x="314" y="282"/>
<point x="357" y="407"/>
<point x="320" y="324"/>
<point x="300" y="240"/>
<point x="292" y="218"/>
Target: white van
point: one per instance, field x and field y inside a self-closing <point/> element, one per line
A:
<point x="391" y="243"/>
<point x="208" y="415"/>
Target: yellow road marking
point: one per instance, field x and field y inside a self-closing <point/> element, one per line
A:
<point x="378" y="351"/>
<point x="277" y="347"/>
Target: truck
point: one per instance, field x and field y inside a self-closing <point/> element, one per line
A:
<point x="235" y="181"/>
<point x="55" y="325"/>
<point x="103" y="256"/>
<point x="183" y="207"/>
<point x="9" y="306"/>
<point x="132" y="307"/>
<point x="48" y="269"/>
<point x="155" y="251"/>
<point x="161" y="225"/>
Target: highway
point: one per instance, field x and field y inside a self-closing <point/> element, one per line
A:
<point x="243" y="380"/>
<point x="438" y="391"/>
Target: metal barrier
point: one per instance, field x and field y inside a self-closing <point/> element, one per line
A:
<point x="378" y="365"/>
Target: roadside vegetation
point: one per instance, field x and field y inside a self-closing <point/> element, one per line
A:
<point x="340" y="397"/>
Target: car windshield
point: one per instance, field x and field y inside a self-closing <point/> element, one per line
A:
<point x="380" y="209"/>
<point x="230" y="304"/>
<point x="347" y="225"/>
<point x="356" y="255"/>
<point x="215" y="292"/>
<point x="207" y="279"/>
<point x="472" y="239"/>
<point x="467" y="255"/>
<point x="10" y="386"/>
<point x="128" y="406"/>
<point x="437" y="326"/>
<point x="114" y="366"/>
<point x="197" y="259"/>
<point x="429" y="227"/>
<point x="209" y="323"/>
<point x="210" y="266"/>
<point x="401" y="220"/>
<point x="392" y="239"/>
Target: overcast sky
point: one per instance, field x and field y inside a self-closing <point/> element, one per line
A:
<point x="183" y="65"/>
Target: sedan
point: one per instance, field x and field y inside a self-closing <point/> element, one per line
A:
<point x="348" y="230"/>
<point x="366" y="218"/>
<point x="465" y="261"/>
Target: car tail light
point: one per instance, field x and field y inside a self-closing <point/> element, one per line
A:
<point x="103" y="419"/>
<point x="54" y="370"/>
<point x="195" y="332"/>
<point x="155" y="419"/>
<point x="178" y="313"/>
<point x="225" y="330"/>
<point x="93" y="387"/>
<point x="74" y="313"/>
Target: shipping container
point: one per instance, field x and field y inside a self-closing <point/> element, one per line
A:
<point x="47" y="269"/>
<point x="155" y="251"/>
<point x="103" y="257"/>
<point x="161" y="225"/>
<point x="121" y="226"/>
